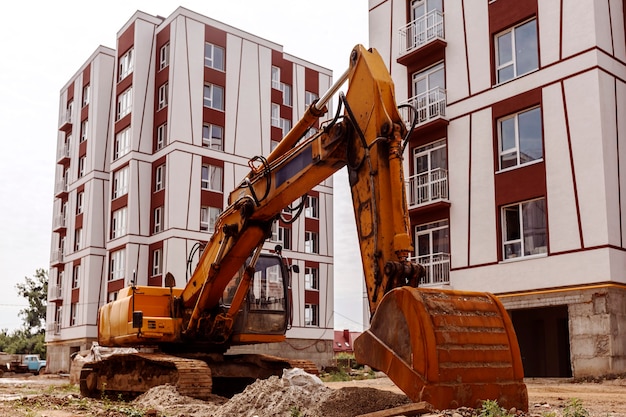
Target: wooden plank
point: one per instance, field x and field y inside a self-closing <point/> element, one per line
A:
<point x="414" y="409"/>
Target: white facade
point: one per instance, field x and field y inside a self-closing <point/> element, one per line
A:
<point x="572" y="68"/>
<point x="143" y="185"/>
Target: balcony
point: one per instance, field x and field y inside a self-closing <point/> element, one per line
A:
<point x="58" y="222"/>
<point x="60" y="188"/>
<point x="56" y="257"/>
<point x="54" y="327"/>
<point x="421" y="37"/>
<point x="54" y="293"/>
<point x="437" y="268"/>
<point x="63" y="154"/>
<point x="427" y="188"/>
<point x="428" y="108"/>
<point x="66" y="122"/>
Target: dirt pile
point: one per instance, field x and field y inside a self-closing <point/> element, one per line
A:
<point x="166" y="399"/>
<point x="296" y="393"/>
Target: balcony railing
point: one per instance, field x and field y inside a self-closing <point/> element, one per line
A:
<point x="60" y="187"/>
<point x="54" y="327"/>
<point x="58" y="222"/>
<point x="421" y="31"/>
<point x="55" y="293"/>
<point x="427" y="187"/>
<point x="428" y="106"/>
<point x="63" y="152"/>
<point x="56" y="257"/>
<point x="437" y="268"/>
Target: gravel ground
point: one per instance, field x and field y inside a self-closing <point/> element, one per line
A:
<point x="51" y="396"/>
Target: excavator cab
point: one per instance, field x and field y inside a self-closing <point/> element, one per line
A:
<point x="264" y="314"/>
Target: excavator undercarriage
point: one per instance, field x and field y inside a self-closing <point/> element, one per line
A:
<point x="196" y="375"/>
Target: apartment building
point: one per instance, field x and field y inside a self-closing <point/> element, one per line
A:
<point x="153" y="136"/>
<point x="515" y="166"/>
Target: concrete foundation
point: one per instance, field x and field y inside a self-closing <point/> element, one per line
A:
<point x="318" y="351"/>
<point x="579" y="332"/>
<point x="59" y="355"/>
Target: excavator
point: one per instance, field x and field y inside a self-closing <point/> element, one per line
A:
<point x="447" y="347"/>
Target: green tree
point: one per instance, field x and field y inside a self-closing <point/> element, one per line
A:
<point x="35" y="290"/>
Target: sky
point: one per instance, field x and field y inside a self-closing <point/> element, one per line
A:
<point x="46" y="42"/>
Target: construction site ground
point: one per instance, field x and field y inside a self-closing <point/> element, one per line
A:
<point x="53" y="396"/>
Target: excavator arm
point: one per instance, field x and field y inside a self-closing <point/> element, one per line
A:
<point x="368" y="139"/>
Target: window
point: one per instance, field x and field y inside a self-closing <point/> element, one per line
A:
<point x="125" y="65"/>
<point x="68" y="112"/>
<point x="214" y="96"/>
<point x="281" y="235"/>
<point x="520" y="138"/>
<point x="81" y="166"/>
<point x="208" y="218"/>
<point x="156" y="262"/>
<point x="214" y="56"/>
<point x="276" y="78"/>
<point x="285" y="125"/>
<point x="84" y="128"/>
<point x="111" y="296"/>
<point x="86" y="92"/>
<point x="212" y="136"/>
<point x="524" y="229"/>
<point x="73" y="308"/>
<point x="516" y="51"/>
<point x="162" y="96"/>
<point x="118" y="223"/>
<point x="120" y="182"/>
<point x="311" y="281"/>
<point x="158" y="219"/>
<point x="164" y="56"/>
<point x="122" y="144"/>
<point x="275" y="115"/>
<point x="159" y="178"/>
<point x="309" y="98"/>
<point x="429" y="181"/>
<point x="75" y="276"/>
<point x="284" y="236"/>
<point x="311" y="315"/>
<point x="433" y="251"/>
<point x="286" y="89"/>
<point x="78" y="237"/>
<point x="161" y="136"/>
<point x="79" y="202"/>
<point x="211" y="178"/>
<point x="273" y="144"/>
<point x="124" y="103"/>
<point x="311" y="208"/>
<point x="429" y="93"/>
<point x="310" y="242"/>
<point x="116" y="266"/>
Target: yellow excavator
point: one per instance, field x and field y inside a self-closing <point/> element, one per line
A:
<point x="450" y="348"/>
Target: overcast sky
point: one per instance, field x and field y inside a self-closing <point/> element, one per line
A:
<point x="45" y="43"/>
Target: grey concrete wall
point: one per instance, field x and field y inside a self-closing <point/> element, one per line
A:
<point x="598" y="333"/>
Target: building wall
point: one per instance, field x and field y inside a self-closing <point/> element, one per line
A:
<point x="579" y="86"/>
<point x="247" y="132"/>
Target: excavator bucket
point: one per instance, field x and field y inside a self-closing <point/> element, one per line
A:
<point x="449" y="348"/>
